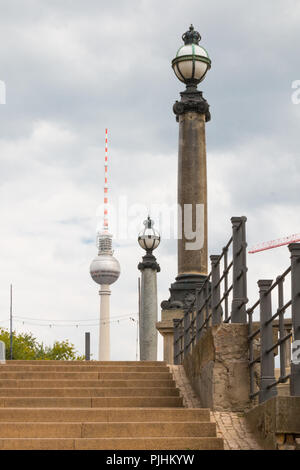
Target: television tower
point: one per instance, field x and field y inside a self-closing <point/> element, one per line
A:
<point x="105" y="270"/>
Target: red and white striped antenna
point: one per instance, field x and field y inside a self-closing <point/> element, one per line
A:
<point x="275" y="243"/>
<point x="104" y="238"/>
<point x="105" y="219"/>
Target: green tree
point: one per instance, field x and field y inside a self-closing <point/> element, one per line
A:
<point x="26" y="347"/>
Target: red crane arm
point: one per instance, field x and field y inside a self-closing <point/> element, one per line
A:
<point x="275" y="243"/>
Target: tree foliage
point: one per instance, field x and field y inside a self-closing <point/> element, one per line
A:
<point x="27" y="347"/>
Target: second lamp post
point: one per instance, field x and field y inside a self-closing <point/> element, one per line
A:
<point x="149" y="239"/>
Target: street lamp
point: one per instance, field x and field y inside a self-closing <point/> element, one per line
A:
<point x="148" y="239"/>
<point x="191" y="65"/>
<point x="192" y="61"/>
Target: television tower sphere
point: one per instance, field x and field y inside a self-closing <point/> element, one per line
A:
<point x="105" y="268"/>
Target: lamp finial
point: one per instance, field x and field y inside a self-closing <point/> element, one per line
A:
<point x="191" y="36"/>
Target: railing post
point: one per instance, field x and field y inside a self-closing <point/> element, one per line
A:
<point x="239" y="270"/>
<point x="267" y="365"/>
<point x="295" y="285"/>
<point x="225" y="272"/>
<point x="282" y="350"/>
<point x="193" y="327"/>
<point x="200" y="314"/>
<point x="207" y="305"/>
<point x="215" y="290"/>
<point x="87" y="346"/>
<point x="176" y="323"/>
<point x="186" y="330"/>
<point x="197" y="323"/>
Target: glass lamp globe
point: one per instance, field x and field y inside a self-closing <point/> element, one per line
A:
<point x="149" y="238"/>
<point x="192" y="61"/>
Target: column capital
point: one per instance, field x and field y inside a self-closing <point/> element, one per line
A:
<point x="214" y="259"/>
<point x="149" y="261"/>
<point x="237" y="220"/>
<point x="192" y="101"/>
<point x="294" y="249"/>
<point x="264" y="284"/>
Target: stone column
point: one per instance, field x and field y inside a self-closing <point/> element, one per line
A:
<point x="192" y="111"/>
<point x="104" y="327"/>
<point x="192" y="194"/>
<point x="148" y="313"/>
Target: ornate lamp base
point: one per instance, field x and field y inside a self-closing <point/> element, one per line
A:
<point x="183" y="291"/>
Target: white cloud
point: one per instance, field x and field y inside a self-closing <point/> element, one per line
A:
<point x="74" y="68"/>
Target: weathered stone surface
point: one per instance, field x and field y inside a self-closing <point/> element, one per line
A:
<point x="49" y="417"/>
<point x="218" y="368"/>
<point x="192" y="190"/>
<point x="280" y="439"/>
<point x="274" y="419"/>
<point x="148" y="316"/>
<point x="286" y="447"/>
<point x="166" y="329"/>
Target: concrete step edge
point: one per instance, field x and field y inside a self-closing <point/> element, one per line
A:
<point x="119" y="429"/>
<point x="89" y="392"/>
<point x="163" y="443"/>
<point x="90" y="402"/>
<point x="189" y="410"/>
<point x="87" y="363"/>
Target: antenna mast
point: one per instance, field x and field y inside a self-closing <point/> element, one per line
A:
<point x="105" y="220"/>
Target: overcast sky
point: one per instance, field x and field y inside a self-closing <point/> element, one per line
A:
<point x="73" y="68"/>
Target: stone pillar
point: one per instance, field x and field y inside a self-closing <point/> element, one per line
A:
<point x="192" y="111"/>
<point x="166" y="329"/>
<point x="148" y="313"/>
<point x="192" y="194"/>
<point x="104" y="327"/>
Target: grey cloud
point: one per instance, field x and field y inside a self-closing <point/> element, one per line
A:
<point x="73" y="68"/>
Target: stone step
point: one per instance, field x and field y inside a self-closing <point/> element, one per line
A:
<point x="88" y="392"/>
<point x="52" y="405"/>
<point x="44" y="383"/>
<point x="111" y="430"/>
<point x="160" y="443"/>
<point x="85" y="369"/>
<point x="87" y="375"/>
<point x="104" y="414"/>
<point x="80" y="363"/>
<point x="74" y="402"/>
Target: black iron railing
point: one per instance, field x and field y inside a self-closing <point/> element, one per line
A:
<point x="213" y="297"/>
<point x="271" y="333"/>
<point x="265" y="343"/>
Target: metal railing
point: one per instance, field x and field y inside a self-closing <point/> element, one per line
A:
<point x="270" y="334"/>
<point x="210" y="303"/>
<point x="263" y="336"/>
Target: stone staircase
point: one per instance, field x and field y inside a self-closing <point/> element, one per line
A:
<point x="67" y="405"/>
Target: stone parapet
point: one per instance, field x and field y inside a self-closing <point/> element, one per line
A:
<point x="218" y="368"/>
<point x="276" y="423"/>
